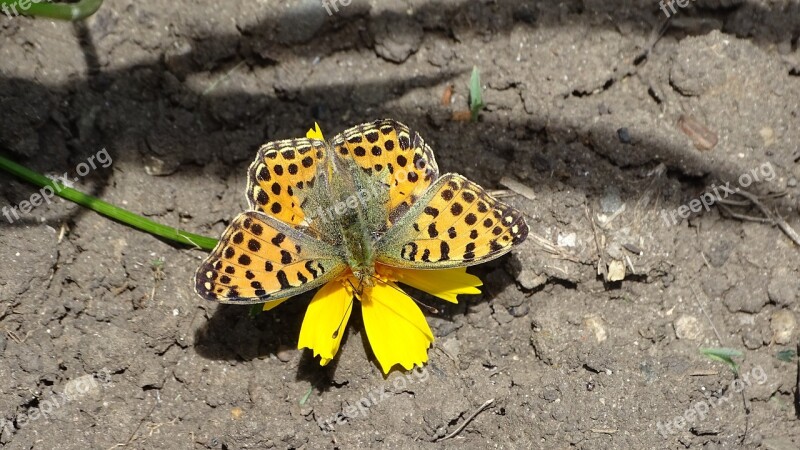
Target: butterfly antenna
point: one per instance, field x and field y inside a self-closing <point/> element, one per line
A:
<point x="347" y="311"/>
<point x="429" y="308"/>
<point x="356" y="291"/>
<point x="341" y="323"/>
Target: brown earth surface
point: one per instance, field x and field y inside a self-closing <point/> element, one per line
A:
<point x="104" y="344"/>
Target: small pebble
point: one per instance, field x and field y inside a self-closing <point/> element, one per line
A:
<point x="285" y="353"/>
<point x="594" y="324"/>
<point x="702" y="137"/>
<point x="687" y="327"/>
<point x="616" y="271"/>
<point x="528" y="279"/>
<point x="624" y="136"/>
<point x="611" y="201"/>
<point x="767" y="135"/>
<point x="782" y="323"/>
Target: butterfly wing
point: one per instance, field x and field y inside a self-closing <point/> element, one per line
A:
<point x="455" y="224"/>
<point x="283" y="177"/>
<point x="385" y="156"/>
<point x="260" y="258"/>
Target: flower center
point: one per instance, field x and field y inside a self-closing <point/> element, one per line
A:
<point x="386" y="273"/>
<point x="356" y="283"/>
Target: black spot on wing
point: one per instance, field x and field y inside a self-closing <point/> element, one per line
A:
<point x="283" y="280"/>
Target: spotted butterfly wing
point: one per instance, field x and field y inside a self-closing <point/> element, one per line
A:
<point x="260" y="259"/>
<point x="385" y="156"/>
<point x="282" y="178"/>
<point x="455" y="224"/>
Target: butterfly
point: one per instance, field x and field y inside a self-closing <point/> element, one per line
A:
<point x="372" y="196"/>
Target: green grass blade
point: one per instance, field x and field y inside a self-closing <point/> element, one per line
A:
<point x="475" y="94"/>
<point x="60" y="11"/>
<point x="255" y="310"/>
<point x="786" y="355"/>
<point x="107" y="209"/>
<point x="724" y="355"/>
<point x="305" y="397"/>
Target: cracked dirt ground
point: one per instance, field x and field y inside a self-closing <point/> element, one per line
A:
<point x="182" y="96"/>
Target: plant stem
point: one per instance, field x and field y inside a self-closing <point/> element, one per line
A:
<point x="107" y="209"/>
<point x="60" y="11"/>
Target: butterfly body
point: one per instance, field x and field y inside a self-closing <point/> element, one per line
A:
<point x="370" y="197"/>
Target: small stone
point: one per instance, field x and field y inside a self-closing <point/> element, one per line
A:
<point x="152" y="377"/>
<point x="702" y="137"/>
<point x="767" y="135"/>
<point x="624" y="135"/>
<point x="529" y="280"/>
<point x="753" y="338"/>
<point x="567" y="239"/>
<point x="519" y="311"/>
<point x="791" y="182"/>
<point x="748" y="296"/>
<point x="550" y="394"/>
<point x="616" y="271"/>
<point x="594" y="324"/>
<point x="611" y="201"/>
<point x="396" y="36"/>
<point x="783" y="286"/>
<point x="285" y="353"/>
<point x="687" y="327"/>
<point x="158" y="167"/>
<point x="782" y="323"/>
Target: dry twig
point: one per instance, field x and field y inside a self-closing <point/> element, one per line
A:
<point x="458" y="430"/>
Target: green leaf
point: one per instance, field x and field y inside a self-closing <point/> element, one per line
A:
<point x="305" y="397"/>
<point x="256" y="309"/>
<point x="107" y="209"/>
<point x="786" y="355"/>
<point x="60" y="11"/>
<point x="475" y="95"/>
<point x="724" y="355"/>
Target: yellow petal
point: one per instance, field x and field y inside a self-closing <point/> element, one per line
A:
<point x="396" y="328"/>
<point x="272" y="304"/>
<point x="445" y="284"/>
<point x="315" y="133"/>
<point x="325" y="321"/>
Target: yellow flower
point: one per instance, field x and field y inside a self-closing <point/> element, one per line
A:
<point x="396" y="328"/>
<point x="315" y="133"/>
